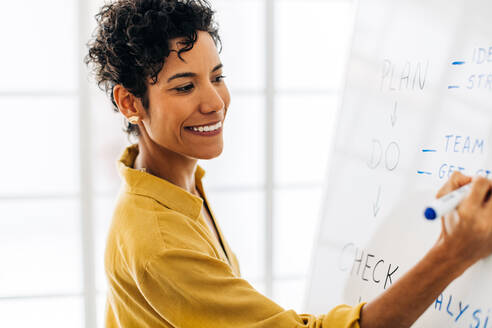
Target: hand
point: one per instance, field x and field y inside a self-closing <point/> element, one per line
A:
<point x="469" y="238"/>
<point x="458" y="247"/>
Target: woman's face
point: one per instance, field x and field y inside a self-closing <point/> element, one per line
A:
<point x="189" y="93"/>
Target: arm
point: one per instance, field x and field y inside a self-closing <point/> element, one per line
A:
<point x="187" y="288"/>
<point x="414" y="292"/>
<point x="457" y="248"/>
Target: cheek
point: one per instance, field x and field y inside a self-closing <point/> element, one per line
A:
<point x="167" y="120"/>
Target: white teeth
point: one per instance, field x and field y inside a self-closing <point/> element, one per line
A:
<point x="207" y="128"/>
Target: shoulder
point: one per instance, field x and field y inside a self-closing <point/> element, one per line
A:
<point x="142" y="227"/>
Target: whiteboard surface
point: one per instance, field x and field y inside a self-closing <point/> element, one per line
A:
<point x="417" y="106"/>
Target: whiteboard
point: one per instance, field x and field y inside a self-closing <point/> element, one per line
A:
<point x="417" y="106"/>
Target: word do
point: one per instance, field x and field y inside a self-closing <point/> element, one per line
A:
<point x="391" y="155"/>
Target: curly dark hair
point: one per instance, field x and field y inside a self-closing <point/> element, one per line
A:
<point x="132" y="40"/>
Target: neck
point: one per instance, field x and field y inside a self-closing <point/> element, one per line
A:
<point x="166" y="164"/>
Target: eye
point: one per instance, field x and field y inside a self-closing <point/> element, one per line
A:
<point x="219" y="78"/>
<point x="185" y="88"/>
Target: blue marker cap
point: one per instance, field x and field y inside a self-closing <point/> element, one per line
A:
<point x="430" y="214"/>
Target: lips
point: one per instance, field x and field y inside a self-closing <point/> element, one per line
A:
<point x="205" y="133"/>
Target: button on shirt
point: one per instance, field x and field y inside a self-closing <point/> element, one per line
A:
<point x="166" y="269"/>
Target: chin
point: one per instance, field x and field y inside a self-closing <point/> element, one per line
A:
<point x="210" y="155"/>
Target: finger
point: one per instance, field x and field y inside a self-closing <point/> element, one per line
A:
<point x="456" y="181"/>
<point x="488" y="200"/>
<point x="479" y="189"/>
<point x="444" y="231"/>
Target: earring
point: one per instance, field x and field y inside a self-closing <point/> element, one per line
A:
<point x="134" y="119"/>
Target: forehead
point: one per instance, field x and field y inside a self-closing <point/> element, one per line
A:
<point x="203" y="55"/>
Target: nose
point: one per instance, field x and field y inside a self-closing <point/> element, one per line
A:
<point x="211" y="100"/>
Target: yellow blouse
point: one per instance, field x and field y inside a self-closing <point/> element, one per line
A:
<point x="165" y="268"/>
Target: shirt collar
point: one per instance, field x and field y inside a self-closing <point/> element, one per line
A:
<point x="165" y="192"/>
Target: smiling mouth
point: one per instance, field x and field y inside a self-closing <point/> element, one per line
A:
<point x="205" y="128"/>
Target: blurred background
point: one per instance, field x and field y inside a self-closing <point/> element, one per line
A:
<point x="284" y="61"/>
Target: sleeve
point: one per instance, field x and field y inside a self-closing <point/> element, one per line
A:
<point x="190" y="289"/>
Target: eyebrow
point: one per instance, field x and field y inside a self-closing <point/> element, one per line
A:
<point x="191" y="74"/>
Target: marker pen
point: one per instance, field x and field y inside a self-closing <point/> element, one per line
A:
<point x="447" y="203"/>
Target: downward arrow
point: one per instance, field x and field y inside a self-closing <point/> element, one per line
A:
<point x="393" y="115"/>
<point x="376" y="206"/>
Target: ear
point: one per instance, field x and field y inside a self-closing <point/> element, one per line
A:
<point x="127" y="103"/>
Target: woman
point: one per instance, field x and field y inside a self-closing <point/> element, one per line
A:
<point x="167" y="262"/>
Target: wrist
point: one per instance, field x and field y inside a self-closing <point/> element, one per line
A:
<point x="451" y="259"/>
